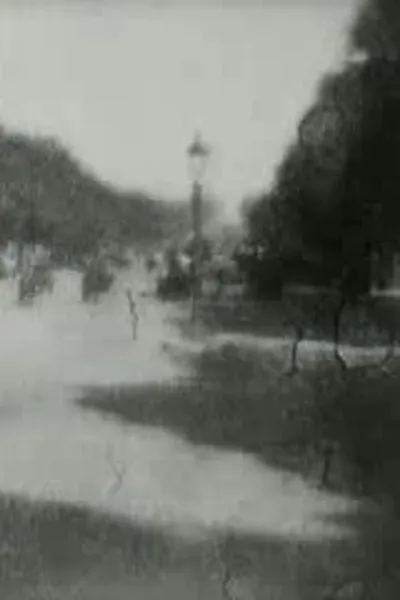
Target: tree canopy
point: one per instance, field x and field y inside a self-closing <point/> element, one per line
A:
<point x="336" y="192"/>
<point x="376" y="31"/>
<point x="47" y="197"/>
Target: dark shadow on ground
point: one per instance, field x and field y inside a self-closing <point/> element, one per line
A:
<point x="232" y="398"/>
<point x="239" y="398"/>
<point x="63" y="545"/>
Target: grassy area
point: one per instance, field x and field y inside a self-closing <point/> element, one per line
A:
<point x="63" y="552"/>
<point x="239" y="398"/>
<point x="365" y="324"/>
<point x="56" y="550"/>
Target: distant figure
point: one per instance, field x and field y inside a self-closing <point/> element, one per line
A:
<point x="133" y="312"/>
<point x="151" y="264"/>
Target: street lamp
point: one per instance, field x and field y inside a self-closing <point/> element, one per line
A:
<point x="198" y="154"/>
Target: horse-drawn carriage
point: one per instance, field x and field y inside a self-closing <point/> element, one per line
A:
<point x="97" y="279"/>
<point x="174" y="281"/>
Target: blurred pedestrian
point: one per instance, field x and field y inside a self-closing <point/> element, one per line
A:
<point x="132" y="312"/>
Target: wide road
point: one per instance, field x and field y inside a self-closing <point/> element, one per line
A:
<point x="50" y="449"/>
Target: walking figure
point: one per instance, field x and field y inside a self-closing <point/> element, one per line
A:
<point x="133" y="312"/>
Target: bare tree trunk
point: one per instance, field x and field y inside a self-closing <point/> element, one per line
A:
<point x="327" y="455"/>
<point x="337" y="318"/>
<point x="299" y="337"/>
<point x="133" y="313"/>
<point x="391" y="348"/>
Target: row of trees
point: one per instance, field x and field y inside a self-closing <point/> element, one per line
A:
<point x="334" y="203"/>
<point x="47" y="197"/>
<point x="335" y="196"/>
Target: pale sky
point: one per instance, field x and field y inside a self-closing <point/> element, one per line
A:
<point x="125" y="84"/>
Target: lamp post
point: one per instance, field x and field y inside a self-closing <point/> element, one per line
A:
<point x="198" y="154"/>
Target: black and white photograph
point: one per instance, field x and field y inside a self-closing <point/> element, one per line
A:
<point x="199" y="299"/>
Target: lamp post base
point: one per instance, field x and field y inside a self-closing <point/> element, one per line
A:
<point x="194" y="310"/>
<point x="195" y="301"/>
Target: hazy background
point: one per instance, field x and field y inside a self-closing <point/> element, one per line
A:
<point x="125" y="84"/>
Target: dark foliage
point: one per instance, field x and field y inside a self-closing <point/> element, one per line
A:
<point x="333" y="211"/>
<point x="47" y="197"/>
<point x="376" y="32"/>
<point x="335" y="196"/>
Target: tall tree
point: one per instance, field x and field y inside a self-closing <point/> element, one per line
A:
<point x="335" y="195"/>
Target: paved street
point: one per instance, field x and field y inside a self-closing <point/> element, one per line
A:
<point x="51" y="449"/>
